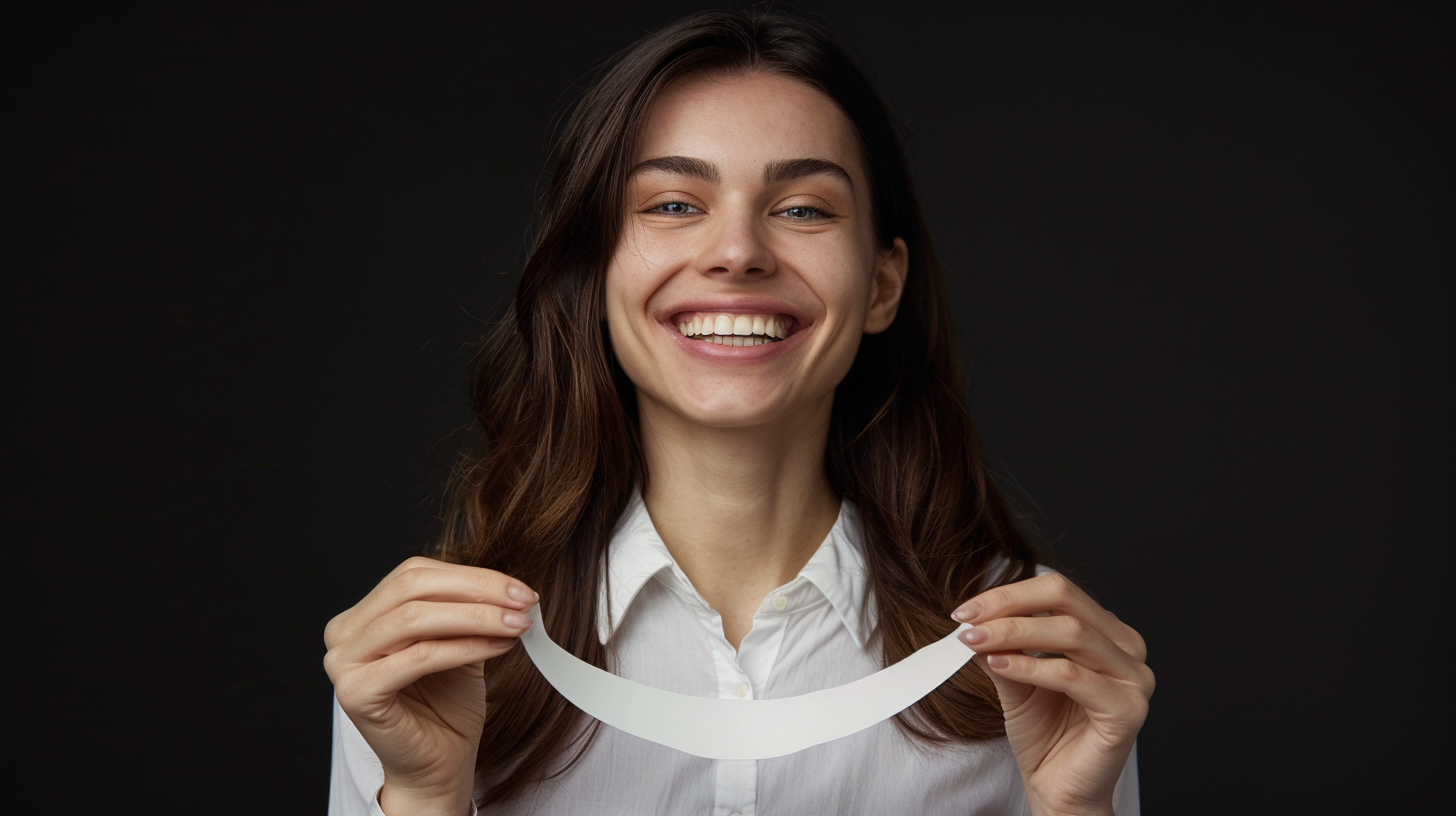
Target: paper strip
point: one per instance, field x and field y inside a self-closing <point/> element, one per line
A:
<point x="743" y="729"/>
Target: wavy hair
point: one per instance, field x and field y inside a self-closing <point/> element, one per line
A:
<point x="560" y="451"/>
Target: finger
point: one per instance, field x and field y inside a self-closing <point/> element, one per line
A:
<point x="1053" y="593"/>
<point x="1058" y="634"/>
<point x="425" y="578"/>
<point x="415" y="621"/>
<point x="370" y="688"/>
<point x="429" y="580"/>
<point x="1012" y="693"/>
<point x="1101" y="697"/>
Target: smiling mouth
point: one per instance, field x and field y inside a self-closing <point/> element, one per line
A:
<point x="726" y="329"/>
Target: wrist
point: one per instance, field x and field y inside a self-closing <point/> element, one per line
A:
<point x="397" y="800"/>
<point x="1044" y="808"/>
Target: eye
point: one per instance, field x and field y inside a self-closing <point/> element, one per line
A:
<point x="803" y="213"/>
<point x="675" y="208"/>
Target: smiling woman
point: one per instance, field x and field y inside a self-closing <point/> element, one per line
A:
<point x="725" y="446"/>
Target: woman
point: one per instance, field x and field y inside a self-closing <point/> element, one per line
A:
<point x="726" y="449"/>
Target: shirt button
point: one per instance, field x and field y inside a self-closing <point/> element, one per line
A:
<point x="780" y="602"/>
<point x="741" y="691"/>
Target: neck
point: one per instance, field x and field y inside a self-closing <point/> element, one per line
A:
<point x="742" y="510"/>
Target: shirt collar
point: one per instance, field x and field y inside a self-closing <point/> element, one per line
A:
<point x="636" y="554"/>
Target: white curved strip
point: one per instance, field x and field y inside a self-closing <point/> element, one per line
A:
<point x="742" y="729"/>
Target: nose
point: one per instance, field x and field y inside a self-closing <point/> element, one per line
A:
<point x="736" y="248"/>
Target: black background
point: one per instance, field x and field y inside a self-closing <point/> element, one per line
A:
<point x="1202" y="257"/>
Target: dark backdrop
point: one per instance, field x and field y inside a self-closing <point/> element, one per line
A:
<point x="1201" y="255"/>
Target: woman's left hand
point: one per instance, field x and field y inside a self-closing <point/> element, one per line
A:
<point x="1071" y="719"/>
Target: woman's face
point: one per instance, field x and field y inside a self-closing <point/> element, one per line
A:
<point x="747" y="268"/>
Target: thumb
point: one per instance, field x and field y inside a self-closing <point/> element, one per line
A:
<point x="1012" y="692"/>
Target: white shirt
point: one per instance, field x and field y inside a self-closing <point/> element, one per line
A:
<point x="815" y="632"/>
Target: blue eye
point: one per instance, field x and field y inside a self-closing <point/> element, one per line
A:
<point x="804" y="213"/>
<point x="675" y="208"/>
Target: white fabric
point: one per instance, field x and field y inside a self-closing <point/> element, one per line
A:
<point x="815" y="632"/>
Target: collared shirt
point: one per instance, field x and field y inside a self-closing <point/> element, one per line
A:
<point x="815" y="632"/>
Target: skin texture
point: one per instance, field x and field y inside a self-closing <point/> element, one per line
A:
<point x="734" y="442"/>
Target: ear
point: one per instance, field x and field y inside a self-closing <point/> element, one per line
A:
<point x="888" y="284"/>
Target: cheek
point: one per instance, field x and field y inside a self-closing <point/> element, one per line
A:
<point x="618" y="297"/>
<point x="636" y="268"/>
<point x="628" y="286"/>
<point x="841" y="280"/>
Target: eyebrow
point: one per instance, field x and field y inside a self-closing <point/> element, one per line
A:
<point x="679" y="165"/>
<point x="775" y="173"/>
<point x="790" y="169"/>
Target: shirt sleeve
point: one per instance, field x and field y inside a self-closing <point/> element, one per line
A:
<point x="356" y="776"/>
<point x="1125" y="799"/>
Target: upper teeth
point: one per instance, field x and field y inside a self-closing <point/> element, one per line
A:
<point x="716" y="325"/>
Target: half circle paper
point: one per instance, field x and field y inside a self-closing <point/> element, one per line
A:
<point x="718" y="728"/>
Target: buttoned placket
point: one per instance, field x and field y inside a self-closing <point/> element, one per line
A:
<point x="742" y="675"/>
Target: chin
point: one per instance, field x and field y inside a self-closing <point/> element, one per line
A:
<point x="740" y="408"/>
<point x="729" y="416"/>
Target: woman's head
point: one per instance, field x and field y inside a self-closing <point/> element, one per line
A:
<point x="746" y="268"/>
<point x="689" y="183"/>
<point x="766" y="108"/>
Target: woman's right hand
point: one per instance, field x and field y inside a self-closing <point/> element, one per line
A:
<point x="408" y="666"/>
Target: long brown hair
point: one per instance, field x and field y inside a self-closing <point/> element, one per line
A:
<point x="560" y="449"/>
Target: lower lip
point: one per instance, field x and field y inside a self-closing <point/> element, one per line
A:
<point x="734" y="354"/>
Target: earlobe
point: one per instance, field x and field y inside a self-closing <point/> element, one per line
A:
<point x="891" y="267"/>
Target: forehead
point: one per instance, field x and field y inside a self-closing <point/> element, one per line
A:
<point x="748" y="119"/>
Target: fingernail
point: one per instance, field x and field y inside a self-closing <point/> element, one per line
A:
<point x="519" y="593"/>
<point x="515" y="620"/>
<point x="974" y="636"/>
<point x="998" y="661"/>
<point x="967" y="613"/>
